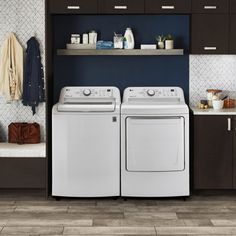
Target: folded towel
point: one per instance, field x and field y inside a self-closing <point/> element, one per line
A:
<point x="104" y="45"/>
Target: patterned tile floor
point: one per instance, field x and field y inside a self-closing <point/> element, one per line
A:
<point x="31" y="214"/>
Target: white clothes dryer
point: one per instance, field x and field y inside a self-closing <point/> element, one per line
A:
<point x="86" y="142"/>
<point x="154" y="142"/>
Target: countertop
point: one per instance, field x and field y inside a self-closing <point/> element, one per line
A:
<point x="210" y="111"/>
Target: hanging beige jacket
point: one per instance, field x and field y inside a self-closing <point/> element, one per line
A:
<point x="11" y="68"/>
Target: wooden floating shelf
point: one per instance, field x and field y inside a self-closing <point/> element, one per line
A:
<point x="120" y="52"/>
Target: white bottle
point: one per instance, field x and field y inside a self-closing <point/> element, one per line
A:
<point x="92" y="37"/>
<point x="85" y="38"/>
<point x="129" y="39"/>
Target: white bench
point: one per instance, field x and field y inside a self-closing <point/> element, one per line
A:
<point x="22" y="150"/>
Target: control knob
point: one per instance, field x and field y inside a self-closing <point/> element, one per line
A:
<point x="87" y="92"/>
<point x="151" y="92"/>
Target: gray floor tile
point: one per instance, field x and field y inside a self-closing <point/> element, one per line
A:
<point x="110" y="230"/>
<point x="31" y="230"/>
<point x="48" y="222"/>
<point x="198" y="222"/>
<point x="151" y="215"/>
<point x="220" y="222"/>
<point x="138" y="222"/>
<point x="95" y="209"/>
<point x="196" y="230"/>
<point x="206" y="215"/>
<point x="36" y="209"/>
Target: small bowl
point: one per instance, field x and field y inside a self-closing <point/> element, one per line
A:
<point x="217" y="104"/>
<point x="229" y="103"/>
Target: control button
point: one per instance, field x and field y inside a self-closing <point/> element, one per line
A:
<point x="87" y="92"/>
<point x="151" y="92"/>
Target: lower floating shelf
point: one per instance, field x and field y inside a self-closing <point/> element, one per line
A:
<point x="120" y="52"/>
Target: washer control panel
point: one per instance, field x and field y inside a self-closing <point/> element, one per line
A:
<point x="78" y="92"/>
<point x="87" y="94"/>
<point x="151" y="92"/>
<point x="154" y="93"/>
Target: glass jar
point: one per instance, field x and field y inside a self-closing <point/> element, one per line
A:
<point x="75" y="38"/>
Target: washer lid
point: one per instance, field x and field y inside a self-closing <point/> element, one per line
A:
<point x="88" y="105"/>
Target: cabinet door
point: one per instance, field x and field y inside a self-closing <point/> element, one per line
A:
<point x="210" y="34"/>
<point x="168" y="6"/>
<point x="210" y="6"/>
<point x="121" y="6"/>
<point x="233" y="34"/>
<point x="213" y="155"/>
<point x="233" y="6"/>
<point x="73" y="6"/>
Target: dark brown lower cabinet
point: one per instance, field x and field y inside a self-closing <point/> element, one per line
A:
<point x="233" y="34"/>
<point x="210" y="34"/>
<point x="22" y="173"/>
<point x="214" y="162"/>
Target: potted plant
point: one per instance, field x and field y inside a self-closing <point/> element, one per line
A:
<point x="169" y="42"/>
<point x="160" y="41"/>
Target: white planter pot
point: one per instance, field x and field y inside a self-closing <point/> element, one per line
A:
<point x="169" y="44"/>
<point x="161" y="45"/>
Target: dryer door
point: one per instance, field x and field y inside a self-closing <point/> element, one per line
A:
<point x="155" y="144"/>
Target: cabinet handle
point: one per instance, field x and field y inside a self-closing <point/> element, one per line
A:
<point x="73" y="7"/>
<point x="210" y="7"/>
<point x="229" y="124"/>
<point x="120" y="7"/>
<point x="167" y="7"/>
<point x="209" y="48"/>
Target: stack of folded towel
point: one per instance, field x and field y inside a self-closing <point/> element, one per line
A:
<point x="104" y="45"/>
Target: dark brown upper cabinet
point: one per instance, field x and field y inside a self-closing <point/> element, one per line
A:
<point x="233" y="6"/>
<point x="210" y="6"/>
<point x="210" y="34"/>
<point x="121" y="6"/>
<point x="168" y="6"/>
<point x="73" y="6"/>
<point x="232" y="48"/>
<point x="213" y="152"/>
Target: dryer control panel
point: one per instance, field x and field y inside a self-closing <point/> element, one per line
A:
<point x="154" y="94"/>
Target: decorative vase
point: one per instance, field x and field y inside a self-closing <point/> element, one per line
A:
<point x="161" y="45"/>
<point x="169" y="44"/>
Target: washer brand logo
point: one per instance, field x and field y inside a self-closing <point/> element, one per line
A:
<point x="114" y="119"/>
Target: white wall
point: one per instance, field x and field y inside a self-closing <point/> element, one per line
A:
<point x="25" y="18"/>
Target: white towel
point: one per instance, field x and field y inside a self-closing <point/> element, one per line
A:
<point x="11" y="68"/>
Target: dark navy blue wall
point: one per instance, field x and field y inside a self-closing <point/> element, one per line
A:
<point x="122" y="71"/>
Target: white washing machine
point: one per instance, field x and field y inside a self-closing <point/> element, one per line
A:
<point x="154" y="142"/>
<point x="86" y="142"/>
